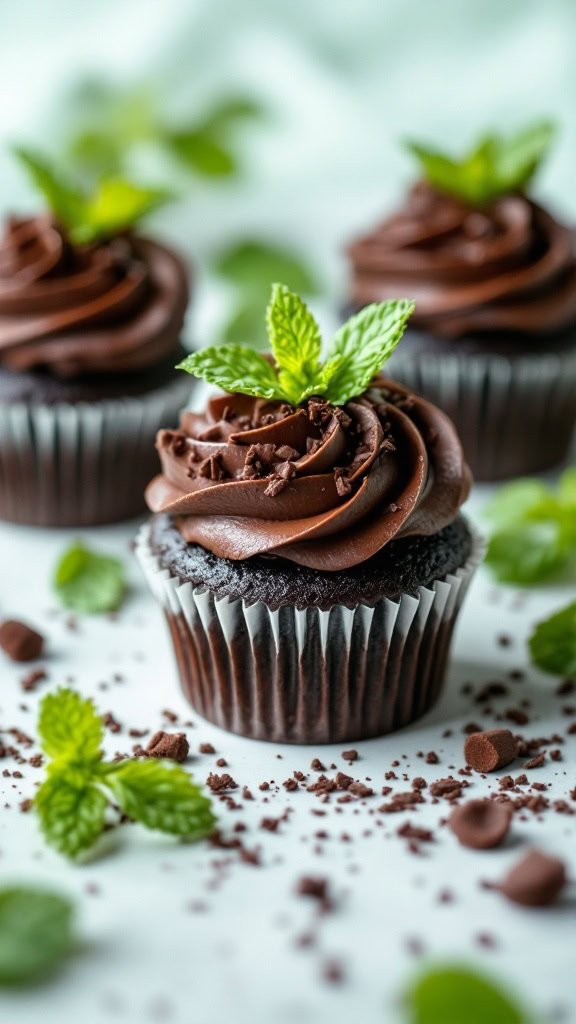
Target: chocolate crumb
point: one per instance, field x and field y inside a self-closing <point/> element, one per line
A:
<point x="535" y="881"/>
<point x="19" y="641"/>
<point x="491" y="750"/>
<point x="171" y="745"/>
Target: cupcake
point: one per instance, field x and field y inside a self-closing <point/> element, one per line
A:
<point x="306" y="544"/>
<point x="493" y="336"/>
<point x="90" y="321"/>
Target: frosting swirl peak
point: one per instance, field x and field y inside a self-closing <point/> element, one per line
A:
<point x="507" y="266"/>
<point x="321" y="485"/>
<point x="110" y="307"/>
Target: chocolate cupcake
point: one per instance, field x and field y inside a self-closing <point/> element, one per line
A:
<point x="307" y="547"/>
<point x="90" y="321"/>
<point x="493" y="337"/>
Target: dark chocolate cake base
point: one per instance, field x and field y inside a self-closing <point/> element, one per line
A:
<point x="349" y="663"/>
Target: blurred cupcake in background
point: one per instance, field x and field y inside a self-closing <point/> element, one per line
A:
<point x="90" y="320"/>
<point x="493" y="337"/>
<point x="307" y="547"/>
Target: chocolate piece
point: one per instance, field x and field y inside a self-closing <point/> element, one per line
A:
<point x="491" y="750"/>
<point x="535" y="881"/>
<point x="350" y="755"/>
<point x="449" y="788"/>
<point x="19" y="641"/>
<point x="480" y="824"/>
<point x="536" y="762"/>
<point x="171" y="745"/>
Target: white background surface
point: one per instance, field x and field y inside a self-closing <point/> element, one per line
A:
<point x="145" y="956"/>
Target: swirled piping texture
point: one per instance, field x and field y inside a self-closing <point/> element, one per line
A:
<point x="323" y="486"/>
<point x="112" y="307"/>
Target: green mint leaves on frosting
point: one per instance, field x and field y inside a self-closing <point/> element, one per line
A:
<point x="358" y="352"/>
<point x="36" y="934"/>
<point x="553" y="643"/>
<point x="494" y="166"/>
<point x="74" y="800"/>
<point x="535" y="530"/>
<point x="88" y="582"/>
<point x="114" y="205"/>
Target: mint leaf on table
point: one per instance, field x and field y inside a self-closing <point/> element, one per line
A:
<point x="496" y="165"/>
<point x="114" y="205"/>
<point x="358" y="353"/>
<point x="88" y="582"/>
<point x="455" y="995"/>
<point x="535" y="535"/>
<point x="162" y="796"/>
<point x="36" y="934"/>
<point x="73" y="800"/>
<point x="553" y="643"/>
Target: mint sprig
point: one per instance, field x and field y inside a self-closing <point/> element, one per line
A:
<point x="88" y="582"/>
<point x="535" y="534"/>
<point x="74" y="800"/>
<point x="553" y="643"/>
<point x="497" y="164"/>
<point x="456" y="995"/>
<point x="359" y="351"/>
<point x="36" y="934"/>
<point x="114" y="205"/>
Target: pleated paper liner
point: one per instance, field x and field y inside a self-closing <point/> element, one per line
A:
<point x="310" y="676"/>
<point x="82" y="464"/>
<point x="514" y="417"/>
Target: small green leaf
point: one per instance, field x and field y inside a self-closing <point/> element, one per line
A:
<point x="71" y="810"/>
<point x="65" y="199"/>
<point x="115" y="206"/>
<point x="162" y="796"/>
<point x="295" y="341"/>
<point x="526" y="552"/>
<point x="235" y="369"/>
<point x="88" y="582"/>
<point x="455" y="995"/>
<point x="253" y="266"/>
<point x="494" y="166"/>
<point x="70" y="727"/>
<point x="200" y="152"/>
<point x="364" y="343"/>
<point x="553" y="643"/>
<point x="513" y="501"/>
<point x="36" y="934"/>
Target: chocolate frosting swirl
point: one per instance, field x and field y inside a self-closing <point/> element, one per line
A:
<point x="507" y="266"/>
<point x="319" y="485"/>
<point x="111" y="307"/>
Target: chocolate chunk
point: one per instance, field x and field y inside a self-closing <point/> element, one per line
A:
<point x="220" y="783"/>
<point x="275" y="486"/>
<point x="341" y="479"/>
<point x="536" y="762"/>
<point x="480" y="824"/>
<point x="489" y="751"/>
<point x="535" y="881"/>
<point x="171" y="745"/>
<point x="286" y="453"/>
<point x="317" y="888"/>
<point x="350" y="755"/>
<point x="206" y="748"/>
<point x="19" y="641"/>
<point x="212" y="468"/>
<point x="432" y="757"/>
<point x="450" y="788"/>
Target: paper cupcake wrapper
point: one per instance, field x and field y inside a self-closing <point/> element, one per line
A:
<point x="82" y="464"/>
<point x="309" y="676"/>
<point x="514" y="416"/>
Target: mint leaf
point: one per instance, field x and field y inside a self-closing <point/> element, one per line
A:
<point x="116" y="205"/>
<point x="162" y="796"/>
<point x="199" y="152"/>
<point x="536" y="529"/>
<point x="553" y="643"/>
<point x="88" y="582"/>
<point x="455" y="995"/>
<point x="235" y="369"/>
<point x="70" y="727"/>
<point x="253" y="266"/>
<point x="295" y="341"/>
<point x="35" y="933"/>
<point x="494" y="166"/>
<point x="71" y="810"/>
<point x="64" y="199"/>
<point x="364" y="343"/>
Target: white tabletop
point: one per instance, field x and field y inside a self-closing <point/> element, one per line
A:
<point x="161" y="940"/>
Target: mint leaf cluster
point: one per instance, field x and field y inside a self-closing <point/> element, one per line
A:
<point x="36" y="934"/>
<point x="456" y="995"/>
<point x="358" y="352"/>
<point x="73" y="801"/>
<point x="114" y="205"/>
<point x="553" y="643"/>
<point x="496" y="165"/>
<point x="535" y="530"/>
<point x="88" y="582"/>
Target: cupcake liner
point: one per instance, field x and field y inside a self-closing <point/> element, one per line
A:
<point x="85" y="463"/>
<point x="515" y="416"/>
<point x="306" y="675"/>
